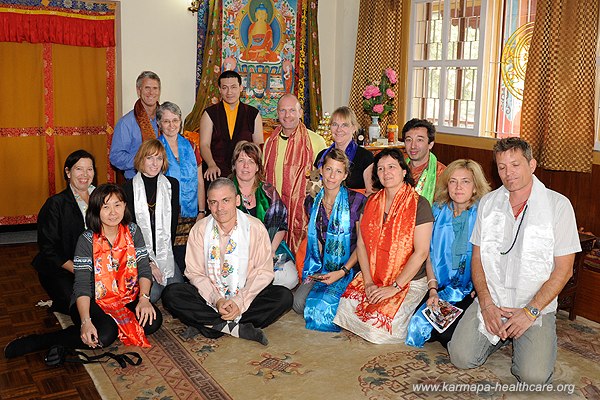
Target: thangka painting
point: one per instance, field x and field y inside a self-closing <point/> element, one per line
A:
<point x="259" y="42"/>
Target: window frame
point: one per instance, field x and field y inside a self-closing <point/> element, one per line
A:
<point x="444" y="64"/>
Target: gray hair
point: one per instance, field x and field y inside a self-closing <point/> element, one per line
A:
<point x="221" y="182"/>
<point x="144" y="75"/>
<point x="167" y="106"/>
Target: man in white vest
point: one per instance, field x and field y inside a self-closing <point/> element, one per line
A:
<point x="524" y="244"/>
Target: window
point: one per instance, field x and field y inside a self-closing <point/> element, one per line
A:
<point x="446" y="62"/>
<point x="467" y="74"/>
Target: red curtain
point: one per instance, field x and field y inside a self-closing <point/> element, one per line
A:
<point x="19" y="24"/>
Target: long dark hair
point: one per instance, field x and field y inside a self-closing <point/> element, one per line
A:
<point x="396" y="155"/>
<point x="98" y="199"/>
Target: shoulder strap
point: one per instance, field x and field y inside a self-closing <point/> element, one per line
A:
<point x="122" y="359"/>
<point x="57" y="355"/>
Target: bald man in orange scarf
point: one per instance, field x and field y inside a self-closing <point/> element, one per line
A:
<point x="289" y="154"/>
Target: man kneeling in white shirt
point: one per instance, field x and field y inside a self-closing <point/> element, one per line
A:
<point x="524" y="244"/>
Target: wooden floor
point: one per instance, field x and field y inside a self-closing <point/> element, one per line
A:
<point x="28" y="377"/>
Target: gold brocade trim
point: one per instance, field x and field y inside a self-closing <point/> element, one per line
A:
<point x="302" y="55"/>
<point x="56" y="13"/>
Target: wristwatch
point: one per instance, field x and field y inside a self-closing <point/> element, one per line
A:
<point x="535" y="312"/>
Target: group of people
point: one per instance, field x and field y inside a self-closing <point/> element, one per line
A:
<point x="426" y="235"/>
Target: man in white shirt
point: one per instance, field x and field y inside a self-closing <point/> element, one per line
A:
<point x="524" y="245"/>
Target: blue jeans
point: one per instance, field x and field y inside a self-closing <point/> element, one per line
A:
<point x="534" y="353"/>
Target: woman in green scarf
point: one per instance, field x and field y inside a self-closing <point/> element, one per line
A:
<point x="261" y="200"/>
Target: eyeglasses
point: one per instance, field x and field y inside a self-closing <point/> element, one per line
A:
<point x="245" y="161"/>
<point x="169" y="122"/>
<point x="345" y="125"/>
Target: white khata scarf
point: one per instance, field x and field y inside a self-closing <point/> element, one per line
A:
<point x="162" y="222"/>
<point x="230" y="273"/>
<point x="514" y="278"/>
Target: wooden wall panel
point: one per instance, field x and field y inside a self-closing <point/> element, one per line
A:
<point x="582" y="189"/>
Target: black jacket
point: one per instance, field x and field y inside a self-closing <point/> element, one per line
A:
<point x="59" y="224"/>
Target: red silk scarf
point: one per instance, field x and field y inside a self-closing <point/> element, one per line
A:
<point x="116" y="283"/>
<point x="297" y="165"/>
<point x="389" y="245"/>
<point x="143" y="120"/>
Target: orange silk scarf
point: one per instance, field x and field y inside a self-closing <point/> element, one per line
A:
<point x="116" y="283"/>
<point x="389" y="245"/>
<point x="297" y="164"/>
<point x="143" y="120"/>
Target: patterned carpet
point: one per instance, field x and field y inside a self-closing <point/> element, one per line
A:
<point x="302" y="364"/>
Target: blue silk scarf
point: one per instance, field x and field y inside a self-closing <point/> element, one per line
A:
<point x="450" y="254"/>
<point x="322" y="301"/>
<point x="185" y="170"/>
<point x="350" y="152"/>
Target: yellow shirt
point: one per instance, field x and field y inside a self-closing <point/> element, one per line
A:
<point x="231" y="116"/>
<point x="317" y="143"/>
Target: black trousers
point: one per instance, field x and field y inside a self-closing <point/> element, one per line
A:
<point x="184" y="302"/>
<point x="59" y="286"/>
<point x="446" y="336"/>
<point x="104" y="323"/>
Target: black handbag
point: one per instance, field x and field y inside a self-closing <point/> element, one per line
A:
<point x="58" y="355"/>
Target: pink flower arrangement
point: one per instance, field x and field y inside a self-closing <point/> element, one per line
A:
<point x="391" y="75"/>
<point x="378" y="96"/>
<point x="371" y="91"/>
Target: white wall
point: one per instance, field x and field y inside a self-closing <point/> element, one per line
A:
<point x="338" y="24"/>
<point x="160" y="36"/>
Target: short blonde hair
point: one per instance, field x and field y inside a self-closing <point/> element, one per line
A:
<point x="148" y="148"/>
<point x="481" y="185"/>
<point x="347" y="115"/>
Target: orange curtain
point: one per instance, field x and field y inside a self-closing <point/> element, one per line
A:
<point x="558" y="99"/>
<point x="382" y="42"/>
<point x="57" y="95"/>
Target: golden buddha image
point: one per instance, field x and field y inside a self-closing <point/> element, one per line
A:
<point x="260" y="36"/>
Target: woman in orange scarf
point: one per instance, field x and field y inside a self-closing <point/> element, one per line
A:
<point x="395" y="232"/>
<point x="112" y="283"/>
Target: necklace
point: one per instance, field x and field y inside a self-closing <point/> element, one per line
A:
<point x="281" y="135"/>
<point x="522" y="206"/>
<point x="519" y="204"/>
<point x="149" y="202"/>
<point x="247" y="200"/>
<point x="517" y="234"/>
<point x="228" y="234"/>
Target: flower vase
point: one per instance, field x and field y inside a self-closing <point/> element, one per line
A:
<point x="374" y="129"/>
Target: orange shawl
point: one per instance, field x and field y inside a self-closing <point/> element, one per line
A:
<point x="297" y="164"/>
<point x="142" y="119"/>
<point x="389" y="245"/>
<point x="116" y="283"/>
